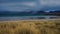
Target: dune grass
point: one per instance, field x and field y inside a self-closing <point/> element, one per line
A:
<point x="30" y="27"/>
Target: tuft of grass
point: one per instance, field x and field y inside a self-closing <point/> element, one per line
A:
<point x="30" y="27"/>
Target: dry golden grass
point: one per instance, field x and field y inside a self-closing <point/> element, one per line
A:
<point x="30" y="27"/>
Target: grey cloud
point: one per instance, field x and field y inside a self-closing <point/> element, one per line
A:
<point x="17" y="5"/>
<point x="9" y="1"/>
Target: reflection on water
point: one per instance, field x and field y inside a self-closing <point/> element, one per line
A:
<point x="29" y="17"/>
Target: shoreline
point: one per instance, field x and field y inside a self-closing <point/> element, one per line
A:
<point x="31" y="20"/>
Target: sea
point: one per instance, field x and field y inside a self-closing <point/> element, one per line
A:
<point x="7" y="18"/>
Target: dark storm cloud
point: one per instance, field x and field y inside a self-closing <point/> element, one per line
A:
<point x="23" y="5"/>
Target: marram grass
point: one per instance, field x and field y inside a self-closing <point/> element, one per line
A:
<point x="30" y="27"/>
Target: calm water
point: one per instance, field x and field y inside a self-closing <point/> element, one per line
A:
<point x="27" y="17"/>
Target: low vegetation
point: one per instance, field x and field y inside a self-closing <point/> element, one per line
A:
<point x="30" y="27"/>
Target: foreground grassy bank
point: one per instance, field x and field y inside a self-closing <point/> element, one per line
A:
<point x="30" y="27"/>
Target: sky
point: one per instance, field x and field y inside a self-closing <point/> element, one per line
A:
<point x="27" y="5"/>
